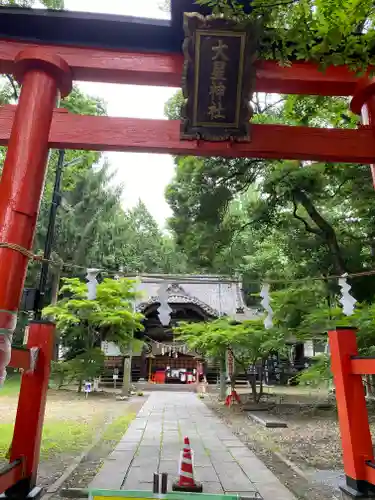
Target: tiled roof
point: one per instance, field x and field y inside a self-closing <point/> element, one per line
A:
<point x="215" y="295"/>
<point x="179" y="299"/>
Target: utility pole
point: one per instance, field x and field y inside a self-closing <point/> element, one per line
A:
<point x="56" y="200"/>
<point x="56" y="196"/>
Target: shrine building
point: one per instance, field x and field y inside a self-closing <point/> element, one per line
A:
<point x="189" y="298"/>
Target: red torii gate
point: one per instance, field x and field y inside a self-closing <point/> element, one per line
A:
<point x="70" y="131"/>
<point x="35" y="125"/>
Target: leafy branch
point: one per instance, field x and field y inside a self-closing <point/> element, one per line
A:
<point x="321" y="32"/>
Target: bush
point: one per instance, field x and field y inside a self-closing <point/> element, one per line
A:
<point x="61" y="373"/>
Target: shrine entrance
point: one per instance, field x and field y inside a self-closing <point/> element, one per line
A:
<point x="165" y="359"/>
<point x="219" y="72"/>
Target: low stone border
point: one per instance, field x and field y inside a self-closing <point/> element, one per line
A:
<point x="54" y="488"/>
<point x="267" y="420"/>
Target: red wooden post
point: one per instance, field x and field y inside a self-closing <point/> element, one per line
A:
<point x="368" y="118"/>
<point x="352" y="410"/>
<point x="42" y="77"/>
<point x="31" y="405"/>
<point x="363" y="104"/>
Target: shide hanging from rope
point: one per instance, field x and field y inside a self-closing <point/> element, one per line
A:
<point x="219" y="78"/>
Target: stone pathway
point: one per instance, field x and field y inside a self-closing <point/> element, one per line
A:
<point x="153" y="443"/>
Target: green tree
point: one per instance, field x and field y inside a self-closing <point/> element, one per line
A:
<point x="277" y="219"/>
<point x="88" y="220"/>
<point x="249" y="343"/>
<point x="50" y="4"/>
<point x="149" y="249"/>
<point x="324" y="31"/>
<point x="328" y="228"/>
<point x="83" y="324"/>
<point x="320" y="320"/>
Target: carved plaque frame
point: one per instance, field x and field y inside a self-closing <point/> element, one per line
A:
<point x="240" y="40"/>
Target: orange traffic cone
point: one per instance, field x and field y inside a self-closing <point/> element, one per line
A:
<point x="186" y="481"/>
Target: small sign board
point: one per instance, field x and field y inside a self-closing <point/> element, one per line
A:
<point x="218" y="78"/>
<point x="26" y="335"/>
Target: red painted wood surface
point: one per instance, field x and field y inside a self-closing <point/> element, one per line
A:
<point x="351" y="404"/>
<point x="24" y="170"/>
<point x="165" y="70"/>
<point x="370" y="474"/>
<point x="163" y="136"/>
<point x="32" y="401"/>
<point x="365" y="366"/>
<point x="20" y="358"/>
<point x="369" y="119"/>
<point x="9" y="475"/>
<point x="103" y="133"/>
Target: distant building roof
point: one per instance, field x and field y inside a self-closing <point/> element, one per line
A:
<point x="215" y="295"/>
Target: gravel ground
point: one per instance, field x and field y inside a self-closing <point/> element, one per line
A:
<point x="310" y="443"/>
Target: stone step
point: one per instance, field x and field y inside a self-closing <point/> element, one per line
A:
<point x="265" y="419"/>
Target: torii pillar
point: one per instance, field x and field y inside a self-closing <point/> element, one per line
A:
<point x="43" y="77"/>
<point x="363" y="104"/>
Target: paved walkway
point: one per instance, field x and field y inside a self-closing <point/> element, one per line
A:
<point x="153" y="443"/>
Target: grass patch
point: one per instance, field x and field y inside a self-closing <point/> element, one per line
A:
<point x="65" y="437"/>
<point x="11" y="386"/>
<point x="65" y="434"/>
<point x="117" y="428"/>
<point x="6" y="434"/>
<point x="58" y="437"/>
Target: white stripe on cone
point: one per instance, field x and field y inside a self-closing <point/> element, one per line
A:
<point x="187" y="474"/>
<point x="180" y="462"/>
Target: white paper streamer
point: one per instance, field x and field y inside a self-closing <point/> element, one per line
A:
<point x="346" y="300"/>
<point x="92" y="283"/>
<point x="164" y="309"/>
<point x="266" y="303"/>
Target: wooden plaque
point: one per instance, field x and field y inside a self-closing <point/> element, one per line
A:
<point x="218" y="78"/>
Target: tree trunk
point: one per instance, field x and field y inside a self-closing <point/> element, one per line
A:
<point x="223" y="387"/>
<point x="253" y="385"/>
<point x="326" y="231"/>
<point x="143" y="367"/>
<point x="127" y="375"/>
<point x="260" y="393"/>
<point x="55" y="285"/>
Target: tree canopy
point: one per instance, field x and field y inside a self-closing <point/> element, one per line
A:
<point x="83" y="324"/>
<point x="248" y="342"/>
<point x="277" y="219"/>
<point x="286" y="222"/>
<point x="324" y="31"/>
